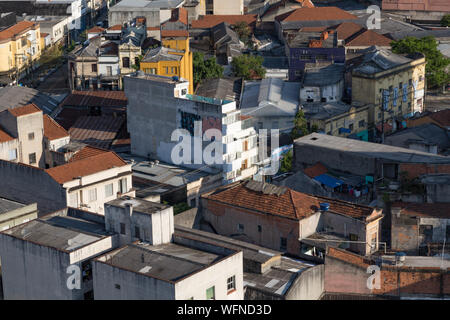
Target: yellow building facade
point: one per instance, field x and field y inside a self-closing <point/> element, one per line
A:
<point x="392" y="84"/>
<point x="20" y="47"/>
<point x="173" y="58"/>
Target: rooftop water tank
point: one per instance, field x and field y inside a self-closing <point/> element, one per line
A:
<point x="324" y="206"/>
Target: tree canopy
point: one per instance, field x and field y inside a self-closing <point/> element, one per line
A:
<point x="300" y="126"/>
<point x="205" y="69"/>
<point x="445" y="21"/>
<point x="243" y="31"/>
<point x="248" y="67"/>
<point x="437" y="63"/>
<point x="286" y="162"/>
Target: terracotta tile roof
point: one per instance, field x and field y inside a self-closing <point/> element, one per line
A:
<point x="435" y="210"/>
<point x="348" y="257"/>
<point x="174" y="33"/>
<point x="98" y="131"/>
<point x="316" y="14"/>
<point x="43" y="34"/>
<point x="368" y="38"/>
<point x="4" y="137"/>
<point x="87" y="152"/>
<point x="24" y="110"/>
<point x="117" y="27"/>
<point x="315" y="170"/>
<point x="289" y="203"/>
<point x="442" y="117"/>
<point x="210" y="21"/>
<point x="96" y="99"/>
<point x="306" y="3"/>
<point x="52" y="130"/>
<point x="96" y="29"/>
<point x="347" y="29"/>
<point x="84" y="167"/>
<point x="153" y="28"/>
<point x="16" y="29"/>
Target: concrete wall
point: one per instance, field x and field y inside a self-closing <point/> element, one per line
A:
<point x="125" y="15"/>
<point x="7" y="150"/>
<point x="15" y="217"/>
<point x="225" y="220"/>
<point x="189" y="219"/>
<point x="28" y="185"/>
<point x="309" y="285"/>
<point x="228" y="7"/>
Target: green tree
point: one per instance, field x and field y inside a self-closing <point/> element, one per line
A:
<point x="243" y="31"/>
<point x="248" y="67"/>
<point x="437" y="63"/>
<point x="445" y="21"/>
<point x="205" y="69"/>
<point x="286" y="162"/>
<point x="137" y="65"/>
<point x="300" y="126"/>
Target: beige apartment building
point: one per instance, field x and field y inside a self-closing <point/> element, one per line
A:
<point x="22" y="129"/>
<point x="392" y="82"/>
<point x="229" y="7"/>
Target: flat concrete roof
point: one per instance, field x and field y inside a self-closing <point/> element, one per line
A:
<point x="139" y="205"/>
<point x="419" y="262"/>
<point x="146" y="4"/>
<point x="369" y="149"/>
<point x="7" y="205"/>
<point x="157" y="78"/>
<point x="168" y="262"/>
<point x="63" y="233"/>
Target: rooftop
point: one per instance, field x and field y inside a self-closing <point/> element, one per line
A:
<point x="323" y="76"/>
<point x="125" y="5"/>
<point x="369" y="149"/>
<point x="63" y="233"/>
<point x="96" y="99"/>
<point x="270" y="97"/>
<point x="85" y="167"/>
<point x="282" y="201"/>
<point x="424" y="210"/>
<point x="7" y="205"/>
<point x="162" y="54"/>
<point x="220" y="88"/>
<point x="4" y="136"/>
<point x="52" y="130"/>
<point x="324" y="110"/>
<point x="168" y="262"/>
<point x="14" y="96"/>
<point x="24" y="110"/>
<point x="418" y="262"/>
<point x="316" y="14"/>
<point x="16" y="29"/>
<point x="98" y="131"/>
<point x="141" y="206"/>
<point x="209" y="21"/>
<point x="154" y="77"/>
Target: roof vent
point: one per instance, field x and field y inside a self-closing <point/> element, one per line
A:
<point x="400" y="258"/>
<point x="324" y="206"/>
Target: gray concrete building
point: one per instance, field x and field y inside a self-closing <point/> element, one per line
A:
<point x="13" y="213"/>
<point x="49" y="257"/>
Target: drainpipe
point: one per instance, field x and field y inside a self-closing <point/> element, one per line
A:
<point x="129" y="213"/>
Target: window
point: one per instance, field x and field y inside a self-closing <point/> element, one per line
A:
<point x="350" y="126"/>
<point x="240" y="227"/>
<point x="361" y="123"/>
<point x="210" y="294"/>
<point x="32" y="158"/>
<point x="259" y="228"/>
<point x="125" y="62"/>
<point x="427" y="232"/>
<point x="31" y="136"/>
<point x="109" y="190"/>
<point x="117" y="286"/>
<point x="379" y="115"/>
<point x="260" y="125"/>
<point x="353" y="237"/>
<point x="231" y="284"/>
<point x="123" y="185"/>
<point x="167" y="70"/>
<point x="283" y="243"/>
<point x="137" y="232"/>
<point x="136" y="61"/>
<point x="109" y="71"/>
<point x="93" y="195"/>
<point x="12" y="154"/>
<point x="183" y="92"/>
<point x="306" y="57"/>
<point x="447" y="233"/>
<point x="94" y="67"/>
<point x="122" y="228"/>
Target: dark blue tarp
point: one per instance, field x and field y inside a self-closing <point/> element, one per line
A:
<point x="329" y="181"/>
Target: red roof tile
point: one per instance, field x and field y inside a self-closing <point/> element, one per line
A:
<point x="435" y="210"/>
<point x="4" y="137"/>
<point x="315" y="170"/>
<point x="24" y="110"/>
<point x="210" y="21"/>
<point x="85" y="167"/>
<point x="43" y="34"/>
<point x="174" y="33"/>
<point x="96" y="99"/>
<point x="347" y="29"/>
<point x="117" y="27"/>
<point x="442" y="117"/>
<point x="153" y="28"/>
<point x="98" y="131"/>
<point x="86" y="152"/>
<point x="368" y="38"/>
<point x="96" y="30"/>
<point x="348" y="257"/>
<point x="16" y="29"/>
<point x="179" y="14"/>
<point x="52" y="130"/>
<point x="316" y="14"/>
<point x="290" y="203"/>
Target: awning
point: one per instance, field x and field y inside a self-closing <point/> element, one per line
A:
<point x="329" y="181"/>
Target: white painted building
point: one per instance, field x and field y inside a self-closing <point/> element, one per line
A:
<point x="158" y="106"/>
